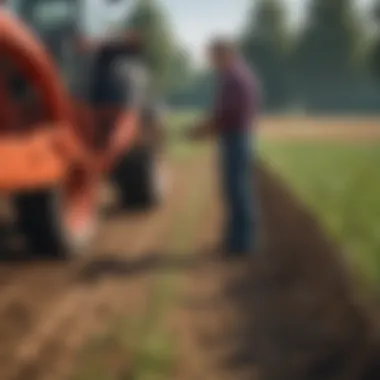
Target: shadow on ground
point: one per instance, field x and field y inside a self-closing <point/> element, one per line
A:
<point x="116" y="266"/>
<point x="299" y="315"/>
<point x="12" y="248"/>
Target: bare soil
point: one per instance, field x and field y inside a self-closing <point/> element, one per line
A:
<point x="290" y="312"/>
<point x="49" y="309"/>
<point x="322" y="128"/>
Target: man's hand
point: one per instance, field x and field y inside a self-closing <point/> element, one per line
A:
<point x="200" y="131"/>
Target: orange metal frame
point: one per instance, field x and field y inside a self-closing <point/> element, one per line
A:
<point x="55" y="150"/>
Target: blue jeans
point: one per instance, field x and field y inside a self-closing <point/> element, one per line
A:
<point x="237" y="184"/>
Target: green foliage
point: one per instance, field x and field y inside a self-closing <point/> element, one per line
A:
<point x="150" y="20"/>
<point x="339" y="182"/>
<point x="180" y="70"/>
<point x="264" y="45"/>
<point x="325" y="57"/>
<point x="374" y="58"/>
<point x="197" y="91"/>
<point x="327" y="47"/>
<point x="266" y="23"/>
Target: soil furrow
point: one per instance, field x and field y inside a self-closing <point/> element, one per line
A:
<point x="200" y="308"/>
<point x="110" y="307"/>
<point x="289" y="313"/>
<point x="63" y="331"/>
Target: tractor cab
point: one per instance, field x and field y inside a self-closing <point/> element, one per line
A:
<point x="59" y="26"/>
<point x="55" y="22"/>
<point x="103" y="78"/>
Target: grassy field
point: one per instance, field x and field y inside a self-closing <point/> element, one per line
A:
<point x="146" y="349"/>
<point x="341" y="185"/>
<point x="338" y="180"/>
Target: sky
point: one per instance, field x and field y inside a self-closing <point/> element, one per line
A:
<point x="196" y="21"/>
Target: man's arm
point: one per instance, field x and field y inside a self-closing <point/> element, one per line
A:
<point x="209" y="125"/>
<point x="231" y="105"/>
<point x="203" y="129"/>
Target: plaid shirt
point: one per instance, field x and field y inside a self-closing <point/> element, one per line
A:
<point x="237" y="100"/>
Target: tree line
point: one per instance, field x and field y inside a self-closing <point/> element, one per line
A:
<point x="330" y="64"/>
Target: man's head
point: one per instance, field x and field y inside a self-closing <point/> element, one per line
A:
<point x="222" y="53"/>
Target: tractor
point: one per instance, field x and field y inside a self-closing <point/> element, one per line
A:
<point x="74" y="112"/>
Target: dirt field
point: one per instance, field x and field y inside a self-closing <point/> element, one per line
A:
<point x="48" y="310"/>
<point x="323" y="128"/>
<point x="292" y="313"/>
<point x="289" y="313"/>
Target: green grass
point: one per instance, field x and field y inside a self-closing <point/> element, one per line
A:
<point x="338" y="181"/>
<point x="341" y="184"/>
<point x="131" y="349"/>
<point x="146" y="349"/>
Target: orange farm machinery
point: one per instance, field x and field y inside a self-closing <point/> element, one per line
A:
<point x="69" y="117"/>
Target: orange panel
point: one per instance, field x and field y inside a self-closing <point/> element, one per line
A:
<point x="29" y="162"/>
<point x="33" y="160"/>
<point x="53" y="153"/>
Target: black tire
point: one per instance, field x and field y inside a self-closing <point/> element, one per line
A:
<point x="137" y="180"/>
<point x="39" y="217"/>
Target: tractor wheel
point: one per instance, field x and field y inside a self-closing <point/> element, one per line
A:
<point x="139" y="179"/>
<point x="41" y="217"/>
